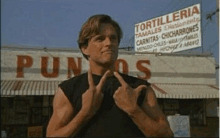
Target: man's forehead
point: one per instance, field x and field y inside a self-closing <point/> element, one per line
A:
<point x="104" y="28"/>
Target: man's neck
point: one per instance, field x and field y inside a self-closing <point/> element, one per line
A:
<point x="100" y="70"/>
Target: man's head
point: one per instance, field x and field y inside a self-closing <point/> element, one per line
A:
<point x="92" y="27"/>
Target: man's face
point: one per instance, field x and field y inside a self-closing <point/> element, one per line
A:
<point x="102" y="49"/>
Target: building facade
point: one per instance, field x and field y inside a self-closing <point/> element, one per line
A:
<point x="183" y="84"/>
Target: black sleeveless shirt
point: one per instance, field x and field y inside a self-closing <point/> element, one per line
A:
<point x="109" y="119"/>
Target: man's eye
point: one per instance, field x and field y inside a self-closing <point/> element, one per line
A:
<point x="114" y="38"/>
<point x="100" y="38"/>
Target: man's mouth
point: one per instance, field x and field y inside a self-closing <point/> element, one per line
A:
<point x="108" y="51"/>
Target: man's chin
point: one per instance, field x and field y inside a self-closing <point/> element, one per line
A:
<point x="108" y="63"/>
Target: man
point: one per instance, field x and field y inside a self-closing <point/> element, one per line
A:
<point x="103" y="102"/>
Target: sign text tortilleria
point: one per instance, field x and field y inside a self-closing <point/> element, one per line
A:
<point x="177" y="31"/>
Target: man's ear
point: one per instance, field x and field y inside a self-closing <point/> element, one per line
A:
<point x="84" y="49"/>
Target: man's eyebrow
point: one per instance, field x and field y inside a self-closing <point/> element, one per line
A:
<point x="95" y="36"/>
<point x="100" y="35"/>
<point x="114" y="35"/>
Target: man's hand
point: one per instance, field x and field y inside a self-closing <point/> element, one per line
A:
<point x="92" y="98"/>
<point x="126" y="97"/>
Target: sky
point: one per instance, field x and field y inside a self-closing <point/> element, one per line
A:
<point x="56" y="23"/>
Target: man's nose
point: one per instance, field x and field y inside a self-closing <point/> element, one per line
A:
<point x="107" y="41"/>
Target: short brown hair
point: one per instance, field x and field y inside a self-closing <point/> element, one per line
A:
<point x="91" y="28"/>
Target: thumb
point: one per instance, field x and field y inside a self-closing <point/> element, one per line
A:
<point x="140" y="88"/>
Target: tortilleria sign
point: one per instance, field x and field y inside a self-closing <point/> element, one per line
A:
<point x="177" y="31"/>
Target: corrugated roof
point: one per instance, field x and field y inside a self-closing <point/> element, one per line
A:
<point x="19" y="87"/>
<point x="178" y="91"/>
<point x="185" y="91"/>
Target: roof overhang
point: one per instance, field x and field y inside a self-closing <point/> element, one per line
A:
<point x="162" y="90"/>
<point x="185" y="91"/>
<point x="16" y="88"/>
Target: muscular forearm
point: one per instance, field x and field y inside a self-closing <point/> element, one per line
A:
<point x="148" y="126"/>
<point x="72" y="127"/>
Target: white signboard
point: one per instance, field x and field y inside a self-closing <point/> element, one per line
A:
<point x="60" y="65"/>
<point x="173" y="32"/>
<point x="179" y="125"/>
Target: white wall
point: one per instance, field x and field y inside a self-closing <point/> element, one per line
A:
<point x="164" y="69"/>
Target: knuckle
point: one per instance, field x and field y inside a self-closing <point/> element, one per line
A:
<point x="115" y="94"/>
<point x="126" y="87"/>
<point x="92" y="89"/>
<point x="118" y="90"/>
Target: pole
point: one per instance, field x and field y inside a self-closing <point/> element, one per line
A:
<point x="217" y="14"/>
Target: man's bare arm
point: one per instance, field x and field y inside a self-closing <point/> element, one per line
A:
<point x="150" y="119"/>
<point x="60" y="124"/>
